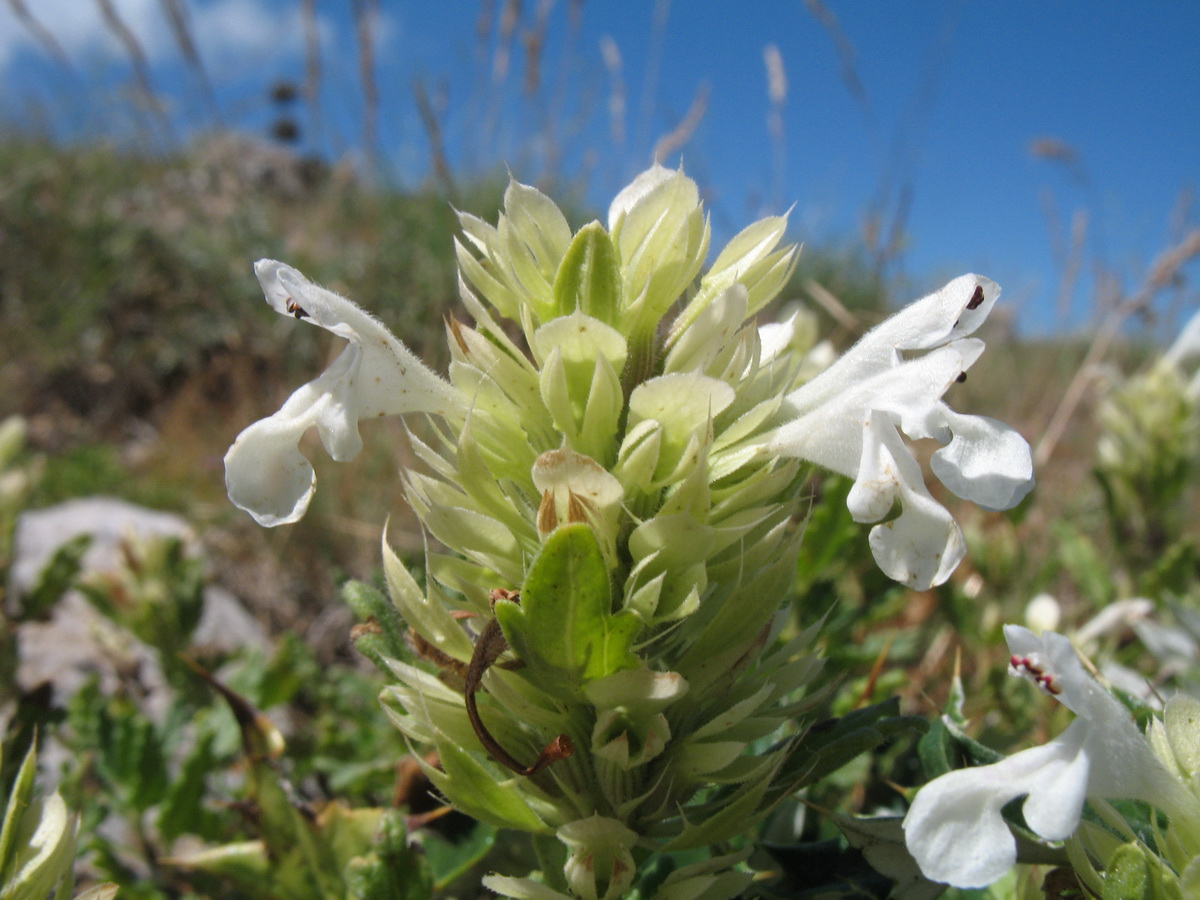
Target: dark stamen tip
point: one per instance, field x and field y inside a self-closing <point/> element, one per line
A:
<point x="976" y="298"/>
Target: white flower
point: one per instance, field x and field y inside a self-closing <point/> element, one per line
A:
<point x="1043" y="613"/>
<point x="955" y="830"/>
<point x="849" y="419"/>
<point x="375" y="375"/>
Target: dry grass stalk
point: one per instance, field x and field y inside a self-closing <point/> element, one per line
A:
<point x="1055" y="150"/>
<point x="177" y="15"/>
<point x="1163" y="272"/>
<point x="433" y="130"/>
<point x="506" y="28"/>
<point x="558" y="99"/>
<point x="611" y="54"/>
<point x="658" y="34"/>
<point x="509" y="16"/>
<point x="483" y="24"/>
<point x="1072" y="263"/>
<point x="40" y="33"/>
<point x="674" y="140"/>
<point x="140" y="64"/>
<point x="535" y="42"/>
<point x="366" y="14"/>
<point x="845" y="51"/>
<point x="312" y="64"/>
<point x="777" y="94"/>
<point x="832" y="305"/>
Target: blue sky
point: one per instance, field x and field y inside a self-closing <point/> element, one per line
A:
<point x="952" y="96"/>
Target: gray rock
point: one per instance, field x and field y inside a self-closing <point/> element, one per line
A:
<point x="77" y="642"/>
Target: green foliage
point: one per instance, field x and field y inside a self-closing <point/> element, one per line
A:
<point x="56" y="578"/>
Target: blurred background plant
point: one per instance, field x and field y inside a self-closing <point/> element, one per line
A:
<point x="134" y="346"/>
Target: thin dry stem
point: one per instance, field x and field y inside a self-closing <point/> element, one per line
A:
<point x="535" y="42"/>
<point x="1163" y="272"/>
<point x="181" y="27"/>
<point x="312" y="65"/>
<point x="658" y="33"/>
<point x="845" y="51"/>
<point x="366" y="12"/>
<point x="674" y="140"/>
<point x="139" y="63"/>
<point x="832" y="305"/>
<point x="40" y="33"/>
<point x="611" y="54"/>
<point x="777" y="94"/>
<point x="433" y="129"/>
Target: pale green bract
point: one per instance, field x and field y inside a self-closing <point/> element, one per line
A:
<point x="621" y="443"/>
<point x="37" y="842"/>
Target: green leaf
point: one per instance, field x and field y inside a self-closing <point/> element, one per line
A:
<point x="538" y="221"/>
<point x="131" y="755"/>
<point x="371" y="606"/>
<point x="56" y="578"/>
<point x="451" y="859"/>
<point x="183" y="809"/>
<point x="589" y="278"/>
<point x="18" y="800"/>
<point x="828" y="746"/>
<point x="1182" y="721"/>
<point x="475" y="791"/>
<point x="423" y="613"/>
<point x="564" y="629"/>
<point x="244" y="864"/>
<point x="946" y="747"/>
<point x="736" y="812"/>
<point x="880" y="839"/>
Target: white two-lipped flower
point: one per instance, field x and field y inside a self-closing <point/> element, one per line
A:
<point x="955" y="829"/>
<point x="849" y="419"/>
<point x="375" y="375"/>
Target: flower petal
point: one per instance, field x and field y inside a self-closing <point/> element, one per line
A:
<point x="855" y="431"/>
<point x="265" y="473"/>
<point x="375" y="375"/>
<point x="948" y="314"/>
<point x="1055" y="665"/>
<point x="939" y="319"/>
<point x="923" y="545"/>
<point x="955" y="830"/>
<point x="987" y="462"/>
<point x="848" y="419"/>
<point x="1059" y="787"/>
<point x="1121" y="763"/>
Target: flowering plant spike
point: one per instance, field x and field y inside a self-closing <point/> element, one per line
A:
<point x="613" y="466"/>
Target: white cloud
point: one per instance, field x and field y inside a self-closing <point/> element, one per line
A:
<point x="226" y="31"/>
<point x="229" y="30"/>
<point x="81" y="32"/>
